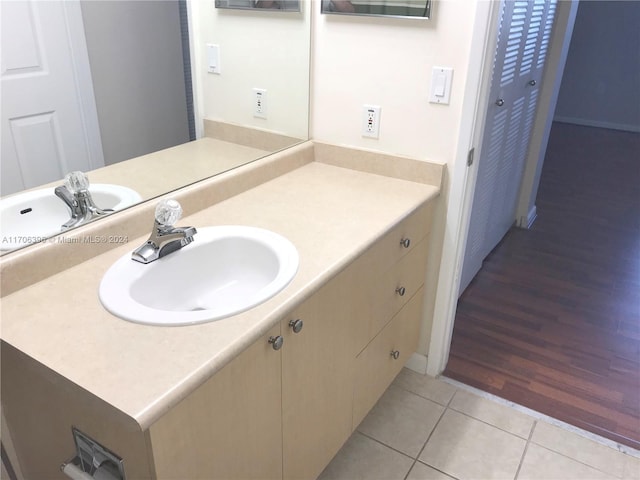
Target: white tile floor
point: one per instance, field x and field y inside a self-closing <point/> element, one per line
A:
<point x="424" y="428"/>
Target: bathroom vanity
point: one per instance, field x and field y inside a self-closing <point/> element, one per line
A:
<point x="272" y="392"/>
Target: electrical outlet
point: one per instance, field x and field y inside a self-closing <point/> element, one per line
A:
<point x="371" y="121"/>
<point x="260" y="103"/>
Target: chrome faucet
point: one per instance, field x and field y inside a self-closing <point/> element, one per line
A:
<point x="164" y="238"/>
<point x="75" y="194"/>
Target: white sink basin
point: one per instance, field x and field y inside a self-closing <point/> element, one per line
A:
<point x="224" y="271"/>
<point x="33" y="216"/>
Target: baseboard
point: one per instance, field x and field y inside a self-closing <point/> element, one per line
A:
<point x="418" y="363"/>
<point x="596" y="123"/>
<point x="527" y="222"/>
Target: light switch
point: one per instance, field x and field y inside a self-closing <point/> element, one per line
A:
<point x="441" y="85"/>
<point x="213" y="58"/>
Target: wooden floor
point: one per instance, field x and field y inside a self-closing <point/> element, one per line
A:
<point x="552" y="321"/>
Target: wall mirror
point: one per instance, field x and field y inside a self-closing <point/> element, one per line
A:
<point x="385" y="8"/>
<point x="136" y="81"/>
<point x="287" y="5"/>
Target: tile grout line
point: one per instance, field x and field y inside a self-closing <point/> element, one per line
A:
<point x="446" y="407"/>
<point x="384" y="444"/>
<point x="526" y="449"/>
<point x="468" y="415"/>
<point x="431" y="433"/>
<point x="592" y="467"/>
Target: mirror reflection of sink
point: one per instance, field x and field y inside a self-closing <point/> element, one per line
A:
<point x="226" y="270"/>
<point x="34" y="215"/>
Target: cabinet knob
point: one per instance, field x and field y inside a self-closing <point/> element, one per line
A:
<point x="276" y="342"/>
<point x="395" y="354"/>
<point x="532" y="83"/>
<point x="500" y="102"/>
<point x="400" y="291"/>
<point x="296" y="325"/>
<point x="405" y="242"/>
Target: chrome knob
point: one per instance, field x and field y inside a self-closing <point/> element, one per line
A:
<point x="532" y="83"/>
<point x="405" y="242"/>
<point x="400" y="291"/>
<point x="296" y="325"/>
<point x="276" y="342"/>
<point x="395" y="354"/>
<point x="500" y="102"/>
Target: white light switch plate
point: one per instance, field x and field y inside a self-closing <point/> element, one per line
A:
<point x="213" y="58"/>
<point x="441" y="85"/>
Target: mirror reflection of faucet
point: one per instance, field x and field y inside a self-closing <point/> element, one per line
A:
<point x="75" y="194"/>
<point x="164" y="238"/>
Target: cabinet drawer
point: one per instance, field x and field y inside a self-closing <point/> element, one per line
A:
<point x="395" y="287"/>
<point x="376" y="367"/>
<point x="387" y="251"/>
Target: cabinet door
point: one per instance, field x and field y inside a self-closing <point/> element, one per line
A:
<point x="230" y="427"/>
<point x="378" y="364"/>
<point x="317" y="379"/>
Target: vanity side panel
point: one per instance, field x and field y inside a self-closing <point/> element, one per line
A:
<point x="230" y="427"/>
<point x="40" y="408"/>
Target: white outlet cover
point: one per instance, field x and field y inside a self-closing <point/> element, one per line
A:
<point x="371" y="121"/>
<point x="260" y="103"/>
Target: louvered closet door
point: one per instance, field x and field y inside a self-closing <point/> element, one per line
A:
<point x="523" y="40"/>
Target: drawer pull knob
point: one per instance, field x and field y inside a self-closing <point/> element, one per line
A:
<point x="296" y="325"/>
<point x="395" y="354"/>
<point x="400" y="291"/>
<point x="405" y="242"/>
<point x="276" y="342"/>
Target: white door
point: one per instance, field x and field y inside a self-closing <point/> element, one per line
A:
<point x="49" y="119"/>
<point x="523" y="41"/>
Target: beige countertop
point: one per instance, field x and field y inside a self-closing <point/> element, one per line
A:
<point x="166" y="170"/>
<point x="181" y="165"/>
<point x="331" y="214"/>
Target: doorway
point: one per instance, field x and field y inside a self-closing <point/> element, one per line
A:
<point x="553" y="319"/>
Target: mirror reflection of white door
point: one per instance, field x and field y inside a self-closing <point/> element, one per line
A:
<point x="49" y="119"/>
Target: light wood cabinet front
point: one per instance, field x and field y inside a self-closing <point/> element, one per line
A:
<point x="230" y="427"/>
<point x="317" y="379"/>
<point x="378" y="364"/>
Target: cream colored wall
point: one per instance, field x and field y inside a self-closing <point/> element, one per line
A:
<point x="260" y="49"/>
<point x="388" y="62"/>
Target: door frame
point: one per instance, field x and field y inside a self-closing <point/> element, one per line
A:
<point x="84" y="81"/>
<point x="463" y="182"/>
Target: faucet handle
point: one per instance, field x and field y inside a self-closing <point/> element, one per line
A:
<point x="76" y="182"/>
<point x="168" y="212"/>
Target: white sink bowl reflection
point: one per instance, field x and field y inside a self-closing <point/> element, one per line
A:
<point x="35" y="215"/>
<point x="224" y="271"/>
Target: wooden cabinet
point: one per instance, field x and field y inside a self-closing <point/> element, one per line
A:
<point x="268" y="414"/>
<point x="230" y="427"/>
<point x="329" y="379"/>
